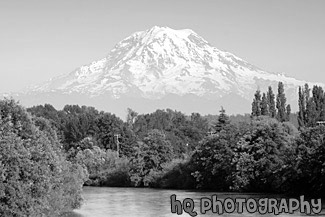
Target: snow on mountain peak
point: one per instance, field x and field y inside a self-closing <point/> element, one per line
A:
<point x="161" y="61"/>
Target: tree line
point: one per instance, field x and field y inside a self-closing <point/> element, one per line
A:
<point x="48" y="154"/>
<point x="268" y="105"/>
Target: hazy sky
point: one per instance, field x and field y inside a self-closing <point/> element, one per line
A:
<point x="40" y="39"/>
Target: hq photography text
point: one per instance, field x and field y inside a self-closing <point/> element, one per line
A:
<point x="250" y="205"/>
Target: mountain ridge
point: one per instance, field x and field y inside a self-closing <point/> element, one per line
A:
<point x="159" y="62"/>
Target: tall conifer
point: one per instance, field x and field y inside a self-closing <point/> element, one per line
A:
<point x="271" y="102"/>
<point x="256" y="105"/>
<point x="281" y="103"/>
<point x="223" y="120"/>
<point x="302" y="108"/>
<point x="264" y="105"/>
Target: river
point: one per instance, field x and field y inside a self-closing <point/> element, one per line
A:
<point x="145" y="202"/>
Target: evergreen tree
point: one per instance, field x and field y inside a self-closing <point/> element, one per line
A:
<point x="281" y="103"/>
<point x="302" y="108"/>
<point x="223" y="120"/>
<point x="318" y="96"/>
<point x="309" y="106"/>
<point x="256" y="105"/>
<point x="288" y="112"/>
<point x="264" y="105"/>
<point x="271" y="102"/>
<point x="311" y="113"/>
<point x="322" y="113"/>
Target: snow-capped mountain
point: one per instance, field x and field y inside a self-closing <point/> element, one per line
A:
<point x="162" y="62"/>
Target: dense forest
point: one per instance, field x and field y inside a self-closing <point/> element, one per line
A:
<point x="47" y="155"/>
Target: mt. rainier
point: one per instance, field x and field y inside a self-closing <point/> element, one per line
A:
<point x="160" y="68"/>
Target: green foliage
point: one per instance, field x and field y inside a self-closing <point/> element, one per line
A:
<point x="16" y="119"/>
<point x="95" y="161"/>
<point x="213" y="160"/>
<point x="178" y="128"/>
<point x="271" y="102"/>
<point x="311" y="108"/>
<point x="149" y="156"/>
<point x="256" y="105"/>
<point x="308" y="175"/>
<point x="36" y="179"/>
<point x="264" y="152"/>
<point x="302" y="108"/>
<point x="48" y="112"/>
<point x="281" y="103"/>
<point x="104" y="167"/>
<point x="118" y="176"/>
<point x="75" y="123"/>
<point x="130" y="118"/>
<point x="108" y="125"/>
<point x="174" y="175"/>
<point x="264" y="106"/>
<point x="288" y="112"/>
<point x="261" y="156"/>
<point x="223" y="121"/>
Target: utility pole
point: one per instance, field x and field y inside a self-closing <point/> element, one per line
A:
<point x="117" y="144"/>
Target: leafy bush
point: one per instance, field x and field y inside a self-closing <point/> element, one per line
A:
<point x="174" y="175"/>
<point x="308" y="169"/>
<point x="118" y="176"/>
<point x="149" y="156"/>
<point x="263" y="156"/>
<point x="35" y="178"/>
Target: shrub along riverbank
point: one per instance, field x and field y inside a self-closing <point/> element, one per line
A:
<point x="35" y="177"/>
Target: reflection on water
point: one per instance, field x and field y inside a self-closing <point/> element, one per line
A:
<point x="139" y="202"/>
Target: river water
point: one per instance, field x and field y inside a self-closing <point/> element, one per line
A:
<point x="144" y="202"/>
